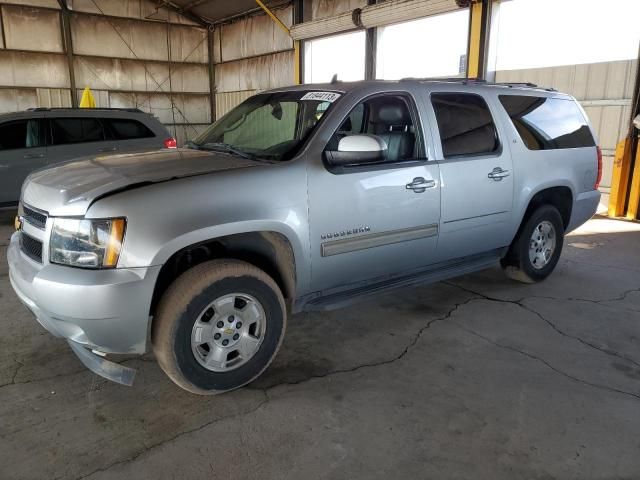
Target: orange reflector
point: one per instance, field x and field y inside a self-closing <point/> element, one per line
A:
<point x="115" y="243"/>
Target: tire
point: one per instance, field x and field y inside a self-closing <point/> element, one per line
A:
<point x="517" y="264"/>
<point x="184" y="318"/>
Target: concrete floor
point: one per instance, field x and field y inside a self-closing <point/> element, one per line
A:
<point x="476" y="378"/>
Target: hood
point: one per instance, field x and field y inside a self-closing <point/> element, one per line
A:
<point x="70" y="188"/>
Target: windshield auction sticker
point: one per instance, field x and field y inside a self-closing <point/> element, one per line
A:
<point x="322" y="96"/>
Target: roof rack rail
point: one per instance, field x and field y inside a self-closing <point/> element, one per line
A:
<point x="48" y="109"/>
<point x="471" y="81"/>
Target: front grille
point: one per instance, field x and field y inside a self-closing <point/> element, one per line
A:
<point x="36" y="219"/>
<point x="31" y="247"/>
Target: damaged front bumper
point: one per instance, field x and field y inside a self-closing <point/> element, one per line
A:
<point x="103" y="367"/>
<point x="103" y="311"/>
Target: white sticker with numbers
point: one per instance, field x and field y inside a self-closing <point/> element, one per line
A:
<point x="321" y="96"/>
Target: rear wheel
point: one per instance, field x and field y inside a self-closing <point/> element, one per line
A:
<point x="219" y="326"/>
<point x="535" y="251"/>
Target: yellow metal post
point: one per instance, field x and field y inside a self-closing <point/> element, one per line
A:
<point x="634" y="194"/>
<point x="620" y="178"/>
<point x="296" y="43"/>
<point x="296" y="62"/>
<point x="475" y="40"/>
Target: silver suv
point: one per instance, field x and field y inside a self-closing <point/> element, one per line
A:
<point x="301" y="198"/>
<point x="41" y="137"/>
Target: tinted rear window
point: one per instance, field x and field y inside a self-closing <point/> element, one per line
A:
<point x="126" y="129"/>
<point x="465" y="124"/>
<point x="548" y="123"/>
<point x="76" y="130"/>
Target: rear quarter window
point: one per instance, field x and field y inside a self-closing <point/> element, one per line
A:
<point x="546" y="123"/>
<point x="126" y="129"/>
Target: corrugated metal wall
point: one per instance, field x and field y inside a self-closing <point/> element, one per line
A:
<point x="123" y="50"/>
<point x="603" y="89"/>
<point x="251" y="54"/>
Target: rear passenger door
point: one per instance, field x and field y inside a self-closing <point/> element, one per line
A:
<point x="476" y="173"/>
<point x="74" y="136"/>
<point x="22" y="150"/>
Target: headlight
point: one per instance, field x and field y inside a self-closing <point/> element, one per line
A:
<point x="86" y="243"/>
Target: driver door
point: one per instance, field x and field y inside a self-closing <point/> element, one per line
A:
<point x="368" y="221"/>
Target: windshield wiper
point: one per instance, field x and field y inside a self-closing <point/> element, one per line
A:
<point x="225" y="147"/>
<point x="191" y="144"/>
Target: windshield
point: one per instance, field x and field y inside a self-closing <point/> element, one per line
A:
<point x="271" y="126"/>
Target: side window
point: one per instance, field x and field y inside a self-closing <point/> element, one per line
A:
<point x="125" y="129"/>
<point x="387" y="116"/>
<point x="21" y="134"/>
<point x="76" y="130"/>
<point x="465" y="124"/>
<point x="548" y="123"/>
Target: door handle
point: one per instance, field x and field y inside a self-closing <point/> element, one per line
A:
<point x="419" y="184"/>
<point x="34" y="155"/>
<point x="497" y="174"/>
<point x="108" y="149"/>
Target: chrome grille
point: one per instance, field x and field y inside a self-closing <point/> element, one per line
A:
<point x="37" y="219"/>
<point x="31" y="247"/>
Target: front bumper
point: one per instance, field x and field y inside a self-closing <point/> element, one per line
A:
<point x="103" y="310"/>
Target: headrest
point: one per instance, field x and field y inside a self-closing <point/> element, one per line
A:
<point x="393" y="115"/>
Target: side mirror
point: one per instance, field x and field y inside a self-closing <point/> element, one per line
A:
<point x="355" y="149"/>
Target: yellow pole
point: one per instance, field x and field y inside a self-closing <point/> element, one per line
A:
<point x="475" y="40"/>
<point x="620" y="178"/>
<point x="296" y="43"/>
<point x="634" y="194"/>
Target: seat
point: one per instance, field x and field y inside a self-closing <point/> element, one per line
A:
<point x="393" y="125"/>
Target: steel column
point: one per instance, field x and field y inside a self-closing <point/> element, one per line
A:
<point x="65" y="16"/>
<point x="479" y="30"/>
<point x="371" y="50"/>
<point x="212" y="75"/>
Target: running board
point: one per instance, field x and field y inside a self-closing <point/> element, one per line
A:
<point x="436" y="273"/>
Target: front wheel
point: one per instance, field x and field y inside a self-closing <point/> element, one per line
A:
<point x="218" y="326"/>
<point x="535" y="251"/>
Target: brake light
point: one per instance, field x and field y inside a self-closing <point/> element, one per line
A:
<point x="170" y="143"/>
<point x="599" y="177"/>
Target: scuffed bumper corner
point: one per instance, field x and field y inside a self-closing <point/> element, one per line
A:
<point x="103" y="367"/>
<point x="584" y="207"/>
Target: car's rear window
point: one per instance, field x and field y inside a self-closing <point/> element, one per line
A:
<point x="126" y="129"/>
<point x="548" y="123"/>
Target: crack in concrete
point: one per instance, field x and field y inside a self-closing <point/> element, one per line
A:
<point x="153" y="446"/>
<point x="529" y="309"/>
<point x="14" y="375"/>
<point x="267" y="398"/>
<point x="412" y="342"/>
<point x="546" y="363"/>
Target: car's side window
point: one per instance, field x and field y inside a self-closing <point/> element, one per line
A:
<point x="548" y="123"/>
<point x="125" y="129"/>
<point x="389" y="117"/>
<point x="21" y="134"/>
<point x="76" y="130"/>
<point x="465" y="124"/>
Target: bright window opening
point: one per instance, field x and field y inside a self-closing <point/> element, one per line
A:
<point x="547" y="33"/>
<point x="341" y="54"/>
<point x="430" y="47"/>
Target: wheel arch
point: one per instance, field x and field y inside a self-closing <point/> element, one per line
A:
<point x="559" y="196"/>
<point x="268" y="250"/>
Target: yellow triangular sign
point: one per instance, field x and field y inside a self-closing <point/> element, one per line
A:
<point x="87" y="99"/>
